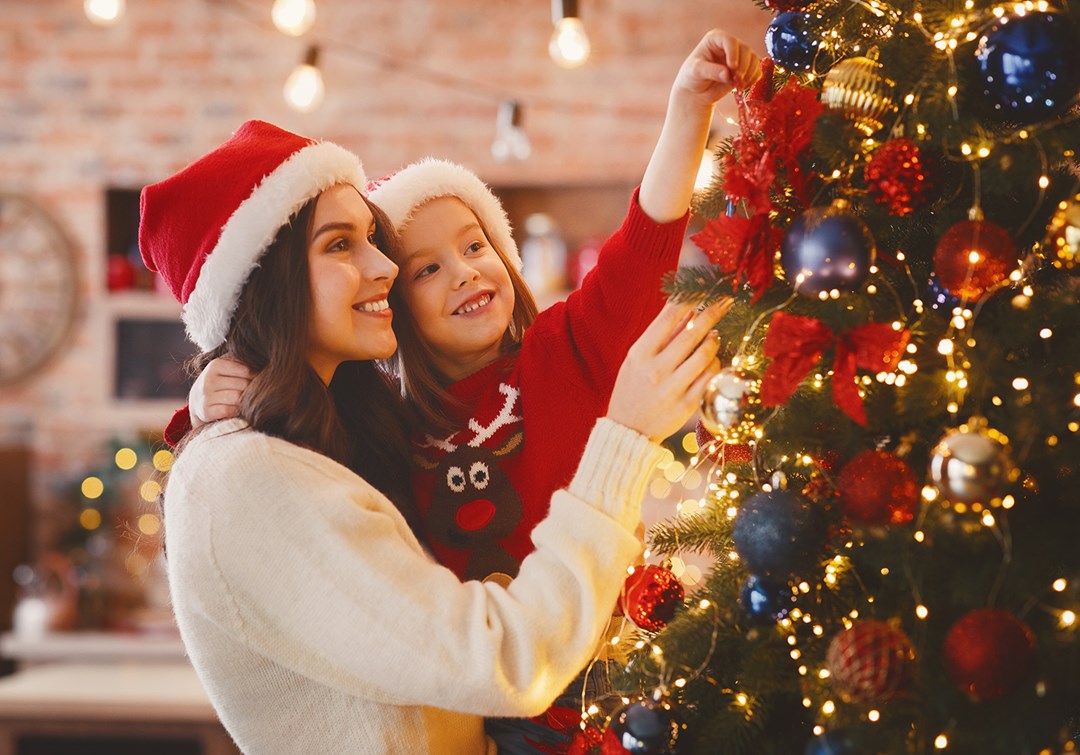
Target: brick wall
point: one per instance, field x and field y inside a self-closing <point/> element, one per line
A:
<point x="84" y="108"/>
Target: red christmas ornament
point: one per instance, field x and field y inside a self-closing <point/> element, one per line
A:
<point x="877" y="487"/>
<point x="783" y="6"/>
<point x="119" y="272"/>
<point x="899" y="177"/>
<point x="870" y="662"/>
<point x="719" y="451"/>
<point x="650" y="596"/>
<point x="988" y="653"/>
<point x="972" y="256"/>
<point x="585" y="741"/>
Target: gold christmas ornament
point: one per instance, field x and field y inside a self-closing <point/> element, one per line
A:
<point x="858" y="89"/>
<point x="729" y="406"/>
<point x="972" y="464"/>
<point x="1063" y="234"/>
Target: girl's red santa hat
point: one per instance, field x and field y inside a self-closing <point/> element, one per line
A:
<point x="400" y="194"/>
<point x="205" y="228"/>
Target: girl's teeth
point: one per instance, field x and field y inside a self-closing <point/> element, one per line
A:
<point x="375" y="306"/>
<point x="475" y="305"/>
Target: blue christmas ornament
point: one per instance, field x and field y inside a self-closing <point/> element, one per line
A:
<point x="779" y="534"/>
<point x="766" y="602"/>
<point x="941" y="298"/>
<point x="830" y="743"/>
<point x="646" y="727"/>
<point x="1029" y="66"/>
<point x="790" y="43"/>
<point x="827" y="248"/>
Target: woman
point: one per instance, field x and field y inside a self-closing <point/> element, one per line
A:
<point x="312" y="614"/>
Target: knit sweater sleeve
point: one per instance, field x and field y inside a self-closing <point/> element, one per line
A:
<point x="618" y="298"/>
<point x="313" y="569"/>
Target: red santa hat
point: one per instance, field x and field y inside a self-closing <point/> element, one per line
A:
<point x="205" y="228"/>
<point x="400" y="194"/>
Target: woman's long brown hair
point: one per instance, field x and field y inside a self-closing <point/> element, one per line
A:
<point x="359" y="420"/>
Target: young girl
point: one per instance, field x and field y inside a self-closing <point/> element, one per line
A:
<point x="312" y="614"/>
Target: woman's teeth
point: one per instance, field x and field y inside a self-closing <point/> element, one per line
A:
<point x="471" y="306"/>
<point x="373" y="306"/>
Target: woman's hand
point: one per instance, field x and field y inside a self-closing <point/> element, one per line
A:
<point x="217" y="391"/>
<point x="661" y="381"/>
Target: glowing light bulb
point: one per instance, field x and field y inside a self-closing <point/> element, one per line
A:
<point x="103" y="12"/>
<point x="569" y="46"/>
<point x="293" y="17"/>
<point x="304" y="88"/>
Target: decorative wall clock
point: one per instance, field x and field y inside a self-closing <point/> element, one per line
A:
<point x="38" y="287"/>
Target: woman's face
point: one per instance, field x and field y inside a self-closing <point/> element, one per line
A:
<point x="350" y="279"/>
<point x="456" y="286"/>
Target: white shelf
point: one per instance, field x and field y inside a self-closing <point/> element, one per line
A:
<point x="92" y="647"/>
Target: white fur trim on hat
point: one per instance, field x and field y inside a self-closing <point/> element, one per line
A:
<point x="402" y="193"/>
<point x="253" y="227"/>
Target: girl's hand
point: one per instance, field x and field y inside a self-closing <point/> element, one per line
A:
<point x="217" y="391"/>
<point x="661" y="381"/>
<point x="719" y="63"/>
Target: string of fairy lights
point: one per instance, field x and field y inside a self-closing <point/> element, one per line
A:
<point x="304" y="89"/>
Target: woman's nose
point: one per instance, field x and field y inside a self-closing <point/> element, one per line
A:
<point x="382" y="267"/>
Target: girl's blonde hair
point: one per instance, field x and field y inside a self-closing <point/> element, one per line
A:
<point x="422" y="384"/>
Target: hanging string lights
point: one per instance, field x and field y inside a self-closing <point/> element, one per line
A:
<point x="569" y="46"/>
<point x="304" y="88"/>
<point x="103" y="12"/>
<point x="293" y="17"/>
<point x="511" y="141"/>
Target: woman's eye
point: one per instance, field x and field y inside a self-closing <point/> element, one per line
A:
<point x="426" y="270"/>
<point x="341" y="245"/>
<point x="372" y="234"/>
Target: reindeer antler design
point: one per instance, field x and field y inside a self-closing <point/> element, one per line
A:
<point x="502" y="419"/>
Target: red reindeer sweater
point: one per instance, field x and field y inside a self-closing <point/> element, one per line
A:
<point x="526" y="418"/>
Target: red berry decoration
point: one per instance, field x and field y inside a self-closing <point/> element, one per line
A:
<point x="972" y="256"/>
<point x="650" y="596"/>
<point x="899" y="177"/>
<point x="719" y="451"/>
<point x="988" y="653"/>
<point x="870" y="662"/>
<point x="877" y="487"/>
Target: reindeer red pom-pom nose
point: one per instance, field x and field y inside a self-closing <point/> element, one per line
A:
<point x="475" y="515"/>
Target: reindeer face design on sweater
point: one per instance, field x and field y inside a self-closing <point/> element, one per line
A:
<point x="474" y="505"/>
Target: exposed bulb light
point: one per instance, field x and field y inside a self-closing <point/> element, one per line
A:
<point x="511" y="142"/>
<point x="569" y="46"/>
<point x="293" y="17"/>
<point x="103" y="12"/>
<point x="304" y="87"/>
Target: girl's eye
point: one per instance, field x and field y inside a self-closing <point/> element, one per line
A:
<point x="426" y="270"/>
<point x="474" y="247"/>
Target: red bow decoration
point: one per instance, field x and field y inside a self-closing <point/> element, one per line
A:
<point x="795" y="344"/>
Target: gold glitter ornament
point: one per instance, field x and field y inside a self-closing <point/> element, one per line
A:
<point x="1063" y="235"/>
<point x="858" y="89"/>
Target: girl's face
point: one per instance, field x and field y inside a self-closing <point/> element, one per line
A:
<point x="456" y="287"/>
<point x="350" y="279"/>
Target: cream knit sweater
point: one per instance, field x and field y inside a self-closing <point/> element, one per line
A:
<point x="318" y="624"/>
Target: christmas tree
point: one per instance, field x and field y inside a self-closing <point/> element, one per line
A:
<point x="893" y="445"/>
